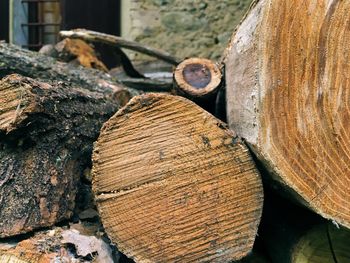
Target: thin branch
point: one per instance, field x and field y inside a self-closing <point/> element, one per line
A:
<point x="92" y="36"/>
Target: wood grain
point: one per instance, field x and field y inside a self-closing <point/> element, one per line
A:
<point x="287" y="69"/>
<point x="173" y="184"/>
<point x="197" y="78"/>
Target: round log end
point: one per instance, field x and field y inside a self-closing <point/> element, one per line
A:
<point x="172" y="183"/>
<point x="197" y="77"/>
<point x="289" y="100"/>
<point x="323" y="243"/>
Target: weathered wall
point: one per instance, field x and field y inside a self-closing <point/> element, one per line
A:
<point x="183" y="27"/>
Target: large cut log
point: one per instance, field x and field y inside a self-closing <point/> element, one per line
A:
<point x="46" y="137"/>
<point x="173" y="184"/>
<point x="287" y="69"/>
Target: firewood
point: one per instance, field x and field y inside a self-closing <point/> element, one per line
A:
<point x="92" y="36"/>
<point x="172" y="183"/>
<point x="287" y="96"/>
<point x="198" y="79"/>
<point x="154" y="85"/>
<point x="46" y="137"/>
<point x="322" y="244"/>
<point x="293" y="234"/>
<point x="76" y="51"/>
<point x="38" y="66"/>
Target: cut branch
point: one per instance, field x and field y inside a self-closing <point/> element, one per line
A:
<point x="148" y="84"/>
<point x="197" y="78"/>
<point x="92" y="36"/>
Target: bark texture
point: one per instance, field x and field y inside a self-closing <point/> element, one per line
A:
<point x="46" y="136"/>
<point x="288" y="93"/>
<point x="173" y="184"/>
<point x="13" y="59"/>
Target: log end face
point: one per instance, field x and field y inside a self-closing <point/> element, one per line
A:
<point x="289" y="100"/>
<point x="197" y="77"/>
<point x="323" y="243"/>
<point x="182" y="187"/>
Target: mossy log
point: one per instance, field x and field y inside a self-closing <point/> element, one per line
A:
<point x="293" y="234"/>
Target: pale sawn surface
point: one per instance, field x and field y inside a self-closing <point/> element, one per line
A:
<point x="173" y="184"/>
<point x="288" y="93"/>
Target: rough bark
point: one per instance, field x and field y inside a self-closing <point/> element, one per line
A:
<point x="173" y="184"/>
<point x="13" y="59"/>
<point x="81" y="243"/>
<point x="46" y="136"/>
<point x="287" y="96"/>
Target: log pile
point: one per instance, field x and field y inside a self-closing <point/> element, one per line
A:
<point x="148" y="167"/>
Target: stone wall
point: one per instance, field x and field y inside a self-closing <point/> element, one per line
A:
<point x="184" y="28"/>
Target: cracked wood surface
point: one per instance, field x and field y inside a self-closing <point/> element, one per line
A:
<point x="287" y="69"/>
<point x="173" y="184"/>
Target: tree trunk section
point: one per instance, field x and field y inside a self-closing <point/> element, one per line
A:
<point x="173" y="184"/>
<point x="46" y="136"/>
<point x="287" y="96"/>
<point x="297" y="235"/>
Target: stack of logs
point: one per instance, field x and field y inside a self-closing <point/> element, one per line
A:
<point x="171" y="180"/>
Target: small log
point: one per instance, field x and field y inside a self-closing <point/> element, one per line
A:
<point x="92" y="36"/>
<point x="292" y="234"/>
<point x="288" y="94"/>
<point x="172" y="183"/>
<point x="47" y="69"/>
<point x="197" y="78"/>
<point x="46" y="137"/>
